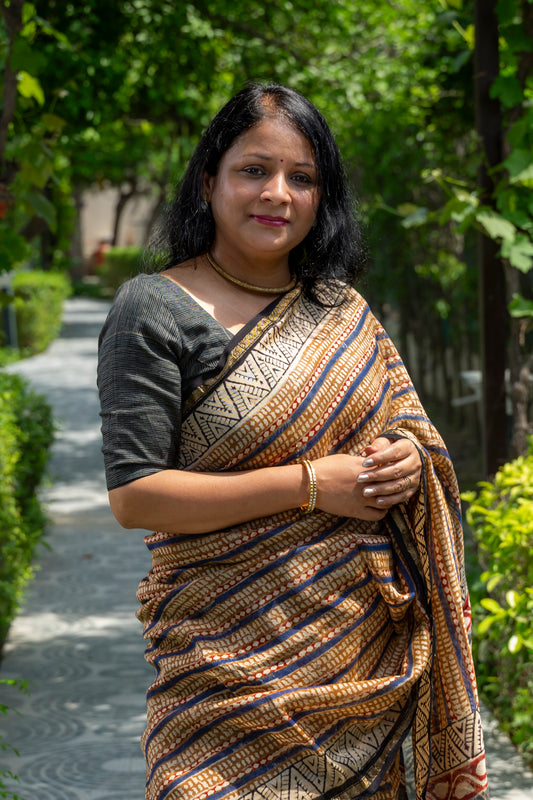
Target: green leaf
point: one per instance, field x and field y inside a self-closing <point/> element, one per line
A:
<point x="520" y="165"/>
<point x="519" y="252"/>
<point x="491" y="605"/>
<point x="13" y="249"/>
<point x="29" y="87"/>
<point x="520" y="307"/>
<point x="493" y="581"/>
<point x="515" y="643"/>
<point x="27" y="58"/>
<point x="495" y="225"/>
<point x="512" y="598"/>
<point x="525" y="177"/>
<point x="485" y="625"/>
<point x="418" y="217"/>
<point x="517" y="37"/>
<point x="43" y="208"/>
<point x="53" y="123"/>
<point x="508" y="89"/>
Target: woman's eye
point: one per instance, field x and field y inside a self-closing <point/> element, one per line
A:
<point x="253" y="171"/>
<point x="302" y="179"/>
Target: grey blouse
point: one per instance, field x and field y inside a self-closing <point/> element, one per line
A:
<point x="156" y="346"/>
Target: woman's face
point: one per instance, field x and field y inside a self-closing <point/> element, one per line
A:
<point x="265" y="194"/>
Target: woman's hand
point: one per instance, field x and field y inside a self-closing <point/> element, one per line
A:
<point x="392" y="470"/>
<point x="339" y="490"/>
<point x="367" y="486"/>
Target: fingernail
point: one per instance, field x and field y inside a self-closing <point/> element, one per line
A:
<point x="363" y="477"/>
<point x="368" y="492"/>
<point x="380" y="501"/>
<point x="368" y="462"/>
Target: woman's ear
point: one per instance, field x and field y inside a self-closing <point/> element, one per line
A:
<point x="208" y="186"/>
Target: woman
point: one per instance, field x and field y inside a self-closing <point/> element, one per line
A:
<point x="306" y="609"/>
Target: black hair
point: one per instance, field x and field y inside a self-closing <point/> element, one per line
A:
<point x="332" y="250"/>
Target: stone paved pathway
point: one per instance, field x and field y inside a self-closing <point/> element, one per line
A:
<point x="77" y="642"/>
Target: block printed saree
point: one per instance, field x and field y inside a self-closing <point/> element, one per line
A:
<point x="295" y="654"/>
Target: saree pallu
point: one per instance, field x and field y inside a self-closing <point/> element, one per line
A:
<point x="294" y="654"/>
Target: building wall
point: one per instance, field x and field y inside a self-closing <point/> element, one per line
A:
<point x="97" y="219"/>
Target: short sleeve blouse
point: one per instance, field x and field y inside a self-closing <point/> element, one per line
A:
<point x="155" y="347"/>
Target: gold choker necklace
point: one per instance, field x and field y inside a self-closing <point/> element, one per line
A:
<point x="251" y="287"/>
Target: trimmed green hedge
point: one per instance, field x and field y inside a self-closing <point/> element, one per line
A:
<point x="38" y="302"/>
<point x="500" y="515"/>
<point x="120" y="264"/>
<point x="26" y="434"/>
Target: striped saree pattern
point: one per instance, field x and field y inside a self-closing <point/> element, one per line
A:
<point x="295" y="654"/>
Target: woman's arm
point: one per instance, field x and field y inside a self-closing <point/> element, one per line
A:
<point x="178" y="501"/>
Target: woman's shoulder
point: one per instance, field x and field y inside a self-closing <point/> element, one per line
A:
<point x="146" y="288"/>
<point x="149" y="295"/>
<point x="145" y="305"/>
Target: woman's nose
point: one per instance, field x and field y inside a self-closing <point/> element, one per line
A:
<point x="276" y="189"/>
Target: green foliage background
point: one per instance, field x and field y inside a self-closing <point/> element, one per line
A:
<point x="26" y="432"/>
<point x="500" y="514"/>
<point x="38" y="307"/>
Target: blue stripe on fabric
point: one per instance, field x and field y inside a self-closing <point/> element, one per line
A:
<point x="217" y="757"/>
<point x="186" y="537"/>
<point x="336" y="678"/>
<point x="407" y="415"/>
<point x="215" y="559"/>
<point x="441" y="451"/>
<point x="340" y="407"/>
<point x="248" y="545"/>
<point x="383" y="547"/>
<point x="317" y="385"/>
<point x="257" y="703"/>
<point x="403" y="392"/>
<point x="255" y="734"/>
<point x="290" y="668"/>
<point x="457" y="650"/>
<point x="275" y="602"/>
<point x="449" y="622"/>
<point x="365" y="420"/>
<point x="231" y="554"/>
<point x="272" y="696"/>
<point x="319" y="741"/>
<point x="279" y="673"/>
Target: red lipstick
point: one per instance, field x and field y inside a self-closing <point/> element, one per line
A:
<point x="276" y="222"/>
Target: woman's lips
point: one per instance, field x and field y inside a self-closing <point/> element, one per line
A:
<point x="276" y="222"/>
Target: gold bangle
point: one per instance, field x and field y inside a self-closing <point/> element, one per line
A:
<point x="309" y="507"/>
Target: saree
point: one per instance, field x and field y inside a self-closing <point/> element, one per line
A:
<point x="294" y="655"/>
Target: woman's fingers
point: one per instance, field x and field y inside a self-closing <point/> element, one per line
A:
<point x="383" y="452"/>
<point x="393" y="474"/>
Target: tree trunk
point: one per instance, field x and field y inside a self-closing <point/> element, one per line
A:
<point x="124" y="196"/>
<point x="77" y="268"/>
<point x="493" y="309"/>
<point x="520" y="364"/>
<point x="12" y="16"/>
